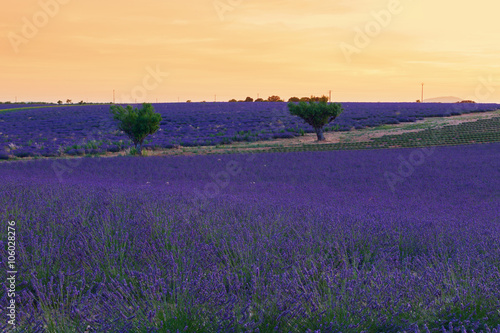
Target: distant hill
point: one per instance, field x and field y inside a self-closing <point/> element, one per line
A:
<point x="446" y="99"/>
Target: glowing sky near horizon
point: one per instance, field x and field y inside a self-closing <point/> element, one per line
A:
<point x="83" y="50"/>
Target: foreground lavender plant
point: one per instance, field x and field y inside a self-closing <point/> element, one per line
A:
<point x="292" y="242"/>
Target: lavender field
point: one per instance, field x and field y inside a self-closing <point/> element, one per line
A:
<point x="90" y="129"/>
<point x="7" y="106"/>
<point x="295" y="242"/>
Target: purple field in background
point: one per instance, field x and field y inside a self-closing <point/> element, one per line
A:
<point x="16" y="106"/>
<point x="274" y="242"/>
<point x="90" y="129"/>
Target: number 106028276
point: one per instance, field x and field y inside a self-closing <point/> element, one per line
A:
<point x="11" y="244"/>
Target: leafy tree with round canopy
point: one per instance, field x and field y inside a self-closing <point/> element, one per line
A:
<point x="316" y="114"/>
<point x="137" y="123"/>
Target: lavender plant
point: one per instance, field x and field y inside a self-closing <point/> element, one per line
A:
<point x="296" y="242"/>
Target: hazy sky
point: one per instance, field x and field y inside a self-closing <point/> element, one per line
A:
<point x="361" y="50"/>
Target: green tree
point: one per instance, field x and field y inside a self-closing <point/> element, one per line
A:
<point x="294" y="99"/>
<point x="137" y="123"/>
<point x="316" y="114"/>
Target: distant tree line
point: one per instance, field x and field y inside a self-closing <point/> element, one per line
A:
<point x="275" y="98"/>
<point x="24" y="103"/>
<point x="308" y="99"/>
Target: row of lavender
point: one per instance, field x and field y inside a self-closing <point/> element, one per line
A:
<point x="6" y="106"/>
<point x="78" y="130"/>
<point x="258" y="242"/>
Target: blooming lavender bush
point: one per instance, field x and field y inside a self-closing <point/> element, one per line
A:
<point x="297" y="242"/>
<point x="55" y="131"/>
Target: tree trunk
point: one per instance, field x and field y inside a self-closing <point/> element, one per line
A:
<point x="138" y="147"/>
<point x="319" y="133"/>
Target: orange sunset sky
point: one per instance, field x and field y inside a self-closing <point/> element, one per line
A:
<point x="361" y="50"/>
